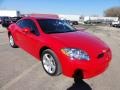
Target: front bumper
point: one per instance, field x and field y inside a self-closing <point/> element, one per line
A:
<point x="85" y="69"/>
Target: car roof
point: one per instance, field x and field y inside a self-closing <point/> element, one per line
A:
<point x="43" y="16"/>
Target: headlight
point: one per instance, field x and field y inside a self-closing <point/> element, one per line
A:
<point x="76" y="54"/>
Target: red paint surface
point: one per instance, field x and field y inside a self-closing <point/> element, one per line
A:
<point x="79" y="39"/>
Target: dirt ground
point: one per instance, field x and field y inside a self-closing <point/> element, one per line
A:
<point x="21" y="71"/>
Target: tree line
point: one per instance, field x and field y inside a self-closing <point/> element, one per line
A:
<point x="112" y="12"/>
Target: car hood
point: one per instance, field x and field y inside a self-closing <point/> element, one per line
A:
<point x="81" y="40"/>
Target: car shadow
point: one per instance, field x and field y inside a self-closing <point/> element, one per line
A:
<point x="79" y="83"/>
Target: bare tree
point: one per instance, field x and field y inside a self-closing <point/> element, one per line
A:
<point x="112" y="12"/>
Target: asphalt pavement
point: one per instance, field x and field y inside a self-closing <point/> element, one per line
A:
<point x="21" y="71"/>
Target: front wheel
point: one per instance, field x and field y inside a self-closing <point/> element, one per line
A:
<point x="50" y="62"/>
<point x="11" y="42"/>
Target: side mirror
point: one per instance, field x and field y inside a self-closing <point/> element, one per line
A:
<point x="26" y="30"/>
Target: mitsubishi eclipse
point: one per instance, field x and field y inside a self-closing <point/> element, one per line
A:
<point x="60" y="47"/>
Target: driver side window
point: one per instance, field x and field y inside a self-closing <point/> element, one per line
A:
<point x="30" y="24"/>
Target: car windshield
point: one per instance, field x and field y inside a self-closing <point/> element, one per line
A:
<point x="55" y="26"/>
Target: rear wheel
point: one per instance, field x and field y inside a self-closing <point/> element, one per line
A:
<point x="11" y="42"/>
<point x="50" y="62"/>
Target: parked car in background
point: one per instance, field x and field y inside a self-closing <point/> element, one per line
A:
<point x="0" y="20"/>
<point x="74" y="22"/>
<point x="60" y="47"/>
<point x="115" y="24"/>
<point x="6" y="21"/>
<point x="15" y="19"/>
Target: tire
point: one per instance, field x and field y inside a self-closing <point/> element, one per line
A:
<point x="50" y="63"/>
<point x="12" y="42"/>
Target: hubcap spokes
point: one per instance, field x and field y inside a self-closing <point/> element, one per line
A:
<point x="49" y="63"/>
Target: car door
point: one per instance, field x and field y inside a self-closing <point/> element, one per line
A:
<point x="28" y="41"/>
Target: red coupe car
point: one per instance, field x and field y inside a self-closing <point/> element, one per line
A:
<point x="60" y="47"/>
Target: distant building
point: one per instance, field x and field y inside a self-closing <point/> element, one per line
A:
<point x="9" y="13"/>
<point x="92" y="19"/>
<point x="70" y="17"/>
